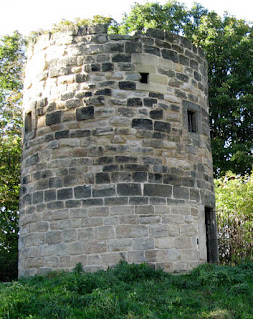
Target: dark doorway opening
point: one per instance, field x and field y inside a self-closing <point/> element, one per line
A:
<point x="211" y="236"/>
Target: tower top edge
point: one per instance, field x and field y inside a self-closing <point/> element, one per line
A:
<point x="73" y="31"/>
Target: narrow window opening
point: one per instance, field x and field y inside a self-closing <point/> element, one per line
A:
<point x="28" y="122"/>
<point x="211" y="236"/>
<point x="144" y="77"/>
<point x="192" y="121"/>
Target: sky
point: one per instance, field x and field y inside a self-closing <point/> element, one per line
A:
<point x="32" y="15"/>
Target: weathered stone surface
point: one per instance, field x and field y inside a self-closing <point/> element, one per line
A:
<point x="110" y="170"/>
<point x="53" y="118"/>
<point x="85" y="113"/>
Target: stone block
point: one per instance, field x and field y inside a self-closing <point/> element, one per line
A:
<point x="72" y="203"/>
<point x="86" y="234"/>
<point x="111" y="221"/>
<point x="69" y="235"/>
<point x="85" y="113"/>
<point x="76" y="248"/>
<point x="50" y="195"/>
<point x="149" y="102"/>
<point x="107" y="67"/>
<point x="158" y="231"/>
<point x="189" y="255"/>
<point x="131" y="231"/>
<point x="112" y="258"/>
<point x="102" y="178"/>
<point x="82" y="191"/>
<point x="180" y="192"/>
<point x="136" y="257"/>
<point x="53" y="237"/>
<point x="140" y="177"/>
<point x="155" y="178"/>
<point x="55" y="205"/>
<point x="157" y="190"/>
<point x="114" y="47"/>
<point x="144" y="210"/>
<point x="131" y="47"/>
<point x="92" y="221"/>
<point x="188" y="230"/>
<point x="138" y="200"/>
<point x="147" y="220"/>
<point x="170" y="55"/>
<point x="94" y="260"/>
<point x="152" y="50"/>
<point x="119" y="244"/>
<point x="129" y="189"/>
<point x="121" y="210"/>
<point x="127" y="85"/>
<point x="115" y="201"/>
<point x="174" y="230"/>
<point x="38" y="197"/>
<point x="144" y="124"/>
<point x="183" y="243"/>
<point x="162" y="126"/>
<point x="121" y="57"/>
<point x="156" y="114"/>
<point x="143" y="243"/>
<point x="53" y="118"/>
<point x="120" y="177"/>
<point x="98" y="211"/>
<point x="61" y="134"/>
<point x="194" y="195"/>
<point x="134" y="102"/>
<point x="174" y="254"/>
<point x="104" y="232"/>
<point x="164" y="243"/>
<point x="64" y="193"/>
<point x="94" y="247"/>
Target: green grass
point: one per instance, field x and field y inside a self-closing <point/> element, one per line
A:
<point x="133" y="292"/>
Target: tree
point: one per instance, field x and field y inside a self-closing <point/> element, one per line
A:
<point x="11" y="64"/>
<point x="228" y="44"/>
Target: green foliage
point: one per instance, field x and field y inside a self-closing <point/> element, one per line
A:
<point x="209" y="291"/>
<point x="228" y="44"/>
<point x="234" y="205"/>
<point x="171" y="17"/>
<point x="11" y="63"/>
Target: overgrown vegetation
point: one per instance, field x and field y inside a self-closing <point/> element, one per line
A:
<point x="234" y="208"/>
<point x="11" y="66"/>
<point x="132" y="291"/>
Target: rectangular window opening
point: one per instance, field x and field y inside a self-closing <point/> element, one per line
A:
<point x="28" y="122"/>
<point x="144" y="77"/>
<point x="192" y="121"/>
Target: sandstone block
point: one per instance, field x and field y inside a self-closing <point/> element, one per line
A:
<point x="131" y="231"/>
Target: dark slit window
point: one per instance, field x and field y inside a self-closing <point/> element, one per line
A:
<point x="28" y="122"/>
<point x="192" y="121"/>
<point x="144" y="77"/>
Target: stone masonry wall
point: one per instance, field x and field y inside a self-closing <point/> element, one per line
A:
<point x="110" y="170"/>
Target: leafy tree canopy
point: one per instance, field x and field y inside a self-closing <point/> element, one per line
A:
<point x="11" y="64"/>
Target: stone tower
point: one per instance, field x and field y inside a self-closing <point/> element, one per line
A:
<point x="116" y="162"/>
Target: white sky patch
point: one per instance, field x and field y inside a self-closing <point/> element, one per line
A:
<point x="31" y="15"/>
